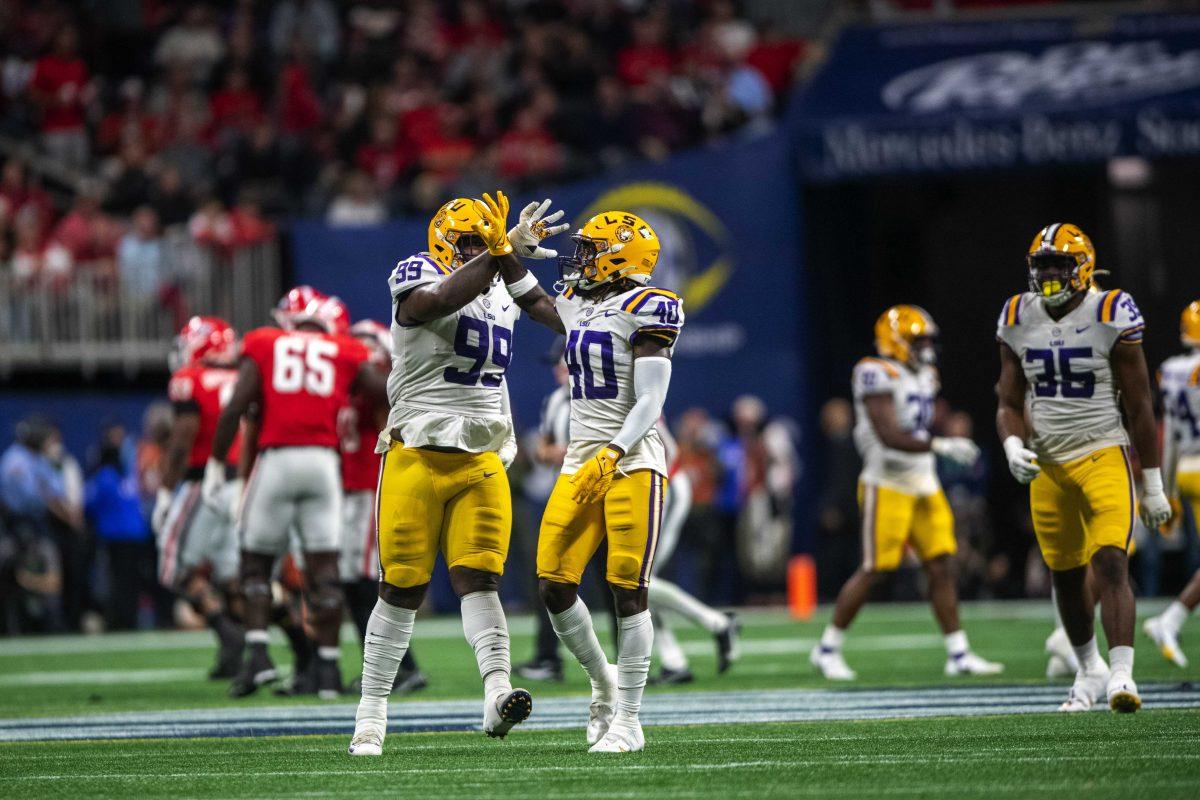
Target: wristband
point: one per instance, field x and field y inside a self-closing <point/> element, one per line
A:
<point x="522" y="286"/>
<point x="1152" y="481"/>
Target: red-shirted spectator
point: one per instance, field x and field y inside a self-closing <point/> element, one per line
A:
<point x="475" y="28"/>
<point x="85" y="230"/>
<point x="236" y="106"/>
<point x="248" y="225"/>
<point x="646" y="55"/>
<point x="447" y="154"/>
<point x="776" y="58"/>
<point x="211" y="225"/>
<point x="19" y="196"/>
<point x="60" y="86"/>
<point x="385" y="156"/>
<point x="131" y="122"/>
<point x="528" y="149"/>
<point x="299" y="106"/>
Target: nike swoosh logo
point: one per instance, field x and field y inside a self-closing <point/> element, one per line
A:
<point x="505" y="308"/>
<point x="609" y="313"/>
<point x="1081" y="330"/>
<point x="488" y="474"/>
<point x="1097" y="458"/>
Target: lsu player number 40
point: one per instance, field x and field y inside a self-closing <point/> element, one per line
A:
<point x="1179" y="386"/>
<point x="1067" y="351"/>
<point x="620" y="333"/>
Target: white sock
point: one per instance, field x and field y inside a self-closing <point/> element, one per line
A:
<point x="258" y="636"/>
<point x="1089" y="656"/>
<point x="574" y="629"/>
<point x="635" y="640"/>
<point x="329" y="653"/>
<point x="1175" y="615"/>
<point x="670" y="654"/>
<point x="665" y="595"/>
<point x="388" y="631"/>
<point x="833" y="637"/>
<point x="1120" y="659"/>
<point x="486" y="629"/>
<point x="956" y="643"/>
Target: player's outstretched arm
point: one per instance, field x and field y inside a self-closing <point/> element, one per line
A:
<point x="179" y="445"/>
<point x="528" y="294"/>
<point x="446" y="297"/>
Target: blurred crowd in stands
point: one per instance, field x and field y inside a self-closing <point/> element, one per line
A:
<point x="77" y="551"/>
<point x="218" y="117"/>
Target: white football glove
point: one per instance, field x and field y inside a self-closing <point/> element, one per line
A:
<point x="210" y="488"/>
<point x="1022" y="462"/>
<point x="1155" y="509"/>
<point x="958" y="449"/>
<point x="162" y="508"/>
<point x="535" y="225"/>
<point x="508" y="452"/>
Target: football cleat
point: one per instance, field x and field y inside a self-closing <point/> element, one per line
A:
<point x="673" y="677"/>
<point x="1063" y="661"/>
<point x="1166" y="639"/>
<point x="541" y="669"/>
<point x="1086" y="690"/>
<point x="604" y="705"/>
<point x="367" y="741"/>
<point x="409" y="681"/>
<point x="329" y="679"/>
<point x="1123" y="696"/>
<point x="968" y="663"/>
<point x="229" y="660"/>
<point x="257" y="670"/>
<point x="831" y="664"/>
<point x="502" y="712"/>
<point x="727" y="643"/>
<point x="622" y="737"/>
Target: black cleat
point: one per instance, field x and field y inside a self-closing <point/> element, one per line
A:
<point x="329" y="679"/>
<point x="257" y="670"/>
<point x="541" y="669"/>
<point x="727" y="643"/>
<point x="408" y="681"/>
<point x="673" y="677"/>
<point x="300" y="684"/>
<point x="229" y="661"/>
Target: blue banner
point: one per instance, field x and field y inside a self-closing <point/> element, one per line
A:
<point x="929" y="98"/>
<point x="729" y="221"/>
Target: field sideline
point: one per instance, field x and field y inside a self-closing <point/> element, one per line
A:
<point x="769" y="728"/>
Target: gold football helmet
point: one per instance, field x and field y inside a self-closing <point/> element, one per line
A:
<point x="897" y="330"/>
<point x="611" y="245"/>
<point x="1067" y="252"/>
<point x="450" y="233"/>
<point x="1189" y="325"/>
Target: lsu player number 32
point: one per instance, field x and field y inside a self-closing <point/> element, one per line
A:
<point x="1068" y="350"/>
<point x="901" y="498"/>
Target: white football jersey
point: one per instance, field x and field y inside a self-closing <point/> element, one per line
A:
<point x="1179" y="383"/>
<point x="446" y="385"/>
<point x="1072" y="395"/>
<point x="912" y="392"/>
<point x="599" y="355"/>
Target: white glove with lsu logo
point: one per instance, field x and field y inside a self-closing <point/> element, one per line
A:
<point x="535" y="225"/>
<point x="1155" y="509"/>
<point x="958" y="449"/>
<point x="1022" y="462"/>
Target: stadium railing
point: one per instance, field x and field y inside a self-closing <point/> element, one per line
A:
<point x="91" y="321"/>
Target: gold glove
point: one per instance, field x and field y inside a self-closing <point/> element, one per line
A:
<point x="494" y="227"/>
<point x="593" y="480"/>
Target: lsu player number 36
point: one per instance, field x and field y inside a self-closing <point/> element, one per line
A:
<point x="1068" y="350"/>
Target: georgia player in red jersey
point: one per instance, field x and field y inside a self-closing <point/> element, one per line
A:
<point x="359" y="424"/>
<point x="197" y="544"/>
<point x="299" y="375"/>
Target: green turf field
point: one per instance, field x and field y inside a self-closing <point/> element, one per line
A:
<point x="999" y="748"/>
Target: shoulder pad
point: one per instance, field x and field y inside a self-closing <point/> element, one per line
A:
<point x="657" y="312"/>
<point x="1010" y="315"/>
<point x="874" y="375"/>
<point x="1117" y="309"/>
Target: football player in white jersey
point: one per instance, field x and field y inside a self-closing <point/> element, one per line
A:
<point x="901" y="498"/>
<point x="446" y="445"/>
<point x="1179" y="385"/>
<point x="620" y="335"/>
<point x="1069" y="350"/>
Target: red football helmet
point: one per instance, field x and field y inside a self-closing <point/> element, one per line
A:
<point x="306" y="304"/>
<point x="375" y="334"/>
<point x="209" y="340"/>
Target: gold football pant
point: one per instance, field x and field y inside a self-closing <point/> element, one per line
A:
<point x="1189" y="492"/>
<point x="892" y="519"/>
<point x="458" y="503"/>
<point x="629" y="515"/>
<point x="1081" y="506"/>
